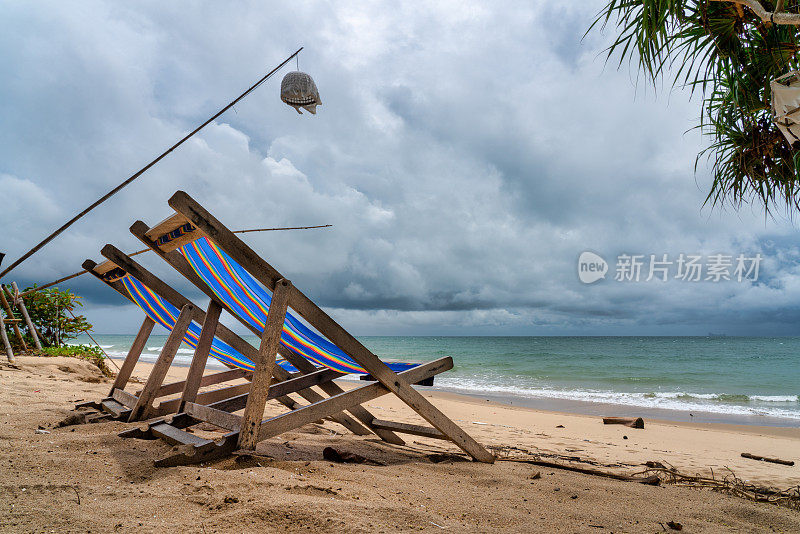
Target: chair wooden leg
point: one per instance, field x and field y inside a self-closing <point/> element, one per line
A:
<point x="133" y="355"/>
<point x="254" y="411"/>
<point x="198" y="366"/>
<point x="359" y="412"/>
<point x="381" y="372"/>
<point x="144" y="405"/>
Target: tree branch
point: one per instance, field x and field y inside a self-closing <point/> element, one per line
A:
<point x="790" y="19"/>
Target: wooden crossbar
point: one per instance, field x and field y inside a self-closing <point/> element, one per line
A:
<point x="206" y="380"/>
<point x="416" y="430"/>
<point x="207" y="397"/>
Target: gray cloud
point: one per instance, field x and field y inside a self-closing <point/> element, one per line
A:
<point x="465" y="153"/>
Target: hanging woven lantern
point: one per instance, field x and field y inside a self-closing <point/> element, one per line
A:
<point x="299" y="91"/>
<point x="786" y="105"/>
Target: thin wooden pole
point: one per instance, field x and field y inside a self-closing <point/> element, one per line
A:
<point x="198" y="366"/>
<point x="21" y="305"/>
<point x="81" y="273"/>
<point x="270" y="339"/>
<point x="6" y="343"/>
<point x="10" y="315"/>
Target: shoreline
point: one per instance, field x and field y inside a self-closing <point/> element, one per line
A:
<point x="589" y="408"/>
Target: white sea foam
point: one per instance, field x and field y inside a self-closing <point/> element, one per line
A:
<point x="669" y="400"/>
<point x="776" y="398"/>
<point x="182" y="350"/>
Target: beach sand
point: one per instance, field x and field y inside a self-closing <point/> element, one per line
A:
<point x="87" y="479"/>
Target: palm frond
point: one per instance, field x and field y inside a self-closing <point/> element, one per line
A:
<point x="730" y="56"/>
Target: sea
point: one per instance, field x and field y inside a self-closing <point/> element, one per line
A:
<point x="717" y="379"/>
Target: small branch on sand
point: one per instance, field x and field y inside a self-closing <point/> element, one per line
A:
<point x="652" y="480"/>
<point x="732" y="485"/>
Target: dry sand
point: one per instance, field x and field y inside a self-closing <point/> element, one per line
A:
<point x="86" y="479"/>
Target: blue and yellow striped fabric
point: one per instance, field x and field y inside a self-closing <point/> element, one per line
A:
<point x="250" y="301"/>
<point x="165" y="314"/>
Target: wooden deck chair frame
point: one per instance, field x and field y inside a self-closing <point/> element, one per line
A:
<point x="249" y="429"/>
<point x="168" y="252"/>
<point x="140" y="406"/>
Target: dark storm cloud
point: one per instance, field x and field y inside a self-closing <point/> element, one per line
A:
<point x="466" y="154"/>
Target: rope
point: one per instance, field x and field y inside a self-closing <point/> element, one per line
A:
<point x="144" y="169"/>
<point x="96" y="343"/>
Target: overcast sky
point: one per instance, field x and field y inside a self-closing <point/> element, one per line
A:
<point x="466" y="154"/>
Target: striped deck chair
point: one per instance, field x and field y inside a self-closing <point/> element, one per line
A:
<point x="209" y="255"/>
<point x="161" y="304"/>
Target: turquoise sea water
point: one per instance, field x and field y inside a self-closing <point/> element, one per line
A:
<point x="733" y="379"/>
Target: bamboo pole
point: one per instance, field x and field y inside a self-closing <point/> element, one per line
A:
<point x="21" y="304"/>
<point x="10" y="315"/>
<point x="6" y="343"/>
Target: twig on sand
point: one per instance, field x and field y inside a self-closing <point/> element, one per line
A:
<point x="656" y="472"/>
<point x="731" y="485"/>
<point x="77" y="494"/>
<point x="652" y="480"/>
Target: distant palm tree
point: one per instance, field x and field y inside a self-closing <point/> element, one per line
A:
<point x="729" y="51"/>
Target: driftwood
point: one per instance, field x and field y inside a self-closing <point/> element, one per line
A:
<point x="767" y="459"/>
<point x="650" y="480"/>
<point x="633" y="422"/>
